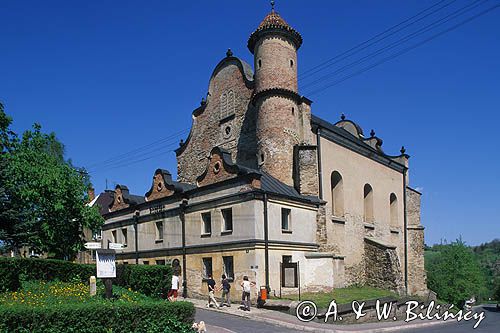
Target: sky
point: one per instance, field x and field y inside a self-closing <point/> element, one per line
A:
<point x="117" y="82"/>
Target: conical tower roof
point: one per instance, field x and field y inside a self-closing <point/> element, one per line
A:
<point x="273" y="23"/>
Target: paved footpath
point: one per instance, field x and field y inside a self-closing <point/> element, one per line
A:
<point x="234" y="320"/>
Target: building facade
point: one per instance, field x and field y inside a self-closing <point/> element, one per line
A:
<point x="266" y="189"/>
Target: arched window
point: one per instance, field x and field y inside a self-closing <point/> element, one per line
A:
<point x="368" y="204"/>
<point x="337" y="194"/>
<point x="393" y="202"/>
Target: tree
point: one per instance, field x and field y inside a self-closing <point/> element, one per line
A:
<point x="454" y="273"/>
<point x="44" y="196"/>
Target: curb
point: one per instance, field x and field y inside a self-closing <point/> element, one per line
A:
<point x="304" y="328"/>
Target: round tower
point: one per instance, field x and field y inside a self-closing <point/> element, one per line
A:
<point x="274" y="45"/>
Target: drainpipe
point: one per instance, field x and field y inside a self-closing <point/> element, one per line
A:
<point x="266" y="242"/>
<point x="136" y="236"/>
<point x="405" y="230"/>
<point x="183" y="224"/>
<point x="320" y="171"/>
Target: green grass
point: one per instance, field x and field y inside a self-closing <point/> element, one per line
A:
<point x="343" y="295"/>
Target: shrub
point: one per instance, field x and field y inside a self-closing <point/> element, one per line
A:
<point x="144" y="317"/>
<point x="148" y="280"/>
<point x="9" y="277"/>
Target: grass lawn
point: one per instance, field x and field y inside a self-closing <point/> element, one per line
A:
<point x="343" y="295"/>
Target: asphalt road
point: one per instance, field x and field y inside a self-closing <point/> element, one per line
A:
<point x="224" y="323"/>
<point x="490" y="324"/>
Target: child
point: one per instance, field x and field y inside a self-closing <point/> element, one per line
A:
<point x="211" y="292"/>
<point x="173" y="289"/>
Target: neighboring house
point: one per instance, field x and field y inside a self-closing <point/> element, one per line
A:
<point x="102" y="201"/>
<point x="269" y="191"/>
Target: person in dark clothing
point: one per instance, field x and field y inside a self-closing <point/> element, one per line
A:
<point x="226" y="289"/>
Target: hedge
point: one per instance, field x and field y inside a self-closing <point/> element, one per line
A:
<point x="150" y="317"/>
<point x="149" y="280"/>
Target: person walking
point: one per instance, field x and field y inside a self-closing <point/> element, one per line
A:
<point x="172" y="294"/>
<point x="246" y="285"/>
<point x="226" y="289"/>
<point x="211" y="292"/>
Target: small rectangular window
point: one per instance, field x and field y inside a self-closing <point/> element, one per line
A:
<point x="207" y="267"/>
<point x="285" y="219"/>
<point x="145" y="263"/>
<point x="287" y="259"/>
<point x="207" y="223"/>
<point x="125" y="262"/>
<point x="228" y="267"/>
<point x="227" y="217"/>
<point x="124" y="237"/>
<point x="159" y="231"/>
<point x="160" y="262"/>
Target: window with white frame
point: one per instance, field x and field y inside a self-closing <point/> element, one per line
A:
<point x="286" y="217"/>
<point x="207" y="267"/>
<point x="206" y="219"/>
<point x="124" y="237"/>
<point x="159" y="230"/>
<point x="228" y="268"/>
<point x="227" y="219"/>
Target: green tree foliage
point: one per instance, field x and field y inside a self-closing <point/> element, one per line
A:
<point x="488" y="255"/>
<point x="454" y="273"/>
<point x="42" y="196"/>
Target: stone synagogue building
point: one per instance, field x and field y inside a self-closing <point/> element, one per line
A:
<point x="268" y="190"/>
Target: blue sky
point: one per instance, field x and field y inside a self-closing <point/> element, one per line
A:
<point x="112" y="76"/>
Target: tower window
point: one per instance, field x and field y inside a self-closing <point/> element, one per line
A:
<point x="260" y="63"/>
<point x="291" y="63"/>
<point x="293" y="110"/>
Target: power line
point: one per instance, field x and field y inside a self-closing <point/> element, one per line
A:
<point x="127" y="163"/>
<point x="346" y="54"/>
<point x="140" y="149"/>
<point x="401" y="41"/>
<point x="405" y="50"/>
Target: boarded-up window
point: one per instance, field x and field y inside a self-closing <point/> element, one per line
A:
<point x="227" y="104"/>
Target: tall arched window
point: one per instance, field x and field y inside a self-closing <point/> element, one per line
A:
<point x="368" y="204"/>
<point x="393" y="202"/>
<point x="337" y="194"/>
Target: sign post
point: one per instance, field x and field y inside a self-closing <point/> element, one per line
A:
<point x="106" y="269"/>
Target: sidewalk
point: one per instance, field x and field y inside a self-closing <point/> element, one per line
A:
<point x="290" y="322"/>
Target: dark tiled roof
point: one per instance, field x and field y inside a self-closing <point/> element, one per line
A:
<point x="272" y="185"/>
<point x="104" y="200"/>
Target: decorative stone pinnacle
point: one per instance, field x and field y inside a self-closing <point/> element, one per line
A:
<point x="272" y="5"/>
<point x="181" y="143"/>
<point x="372" y="133"/>
<point x="342" y="116"/>
<point x="229" y="53"/>
<point x="203" y="101"/>
<point x="403" y="150"/>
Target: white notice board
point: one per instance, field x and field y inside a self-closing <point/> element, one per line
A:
<point x="106" y="267"/>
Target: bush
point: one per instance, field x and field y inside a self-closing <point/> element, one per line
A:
<point x="144" y="317"/>
<point x="9" y="277"/>
<point x="149" y="280"/>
